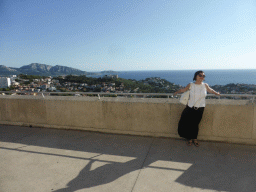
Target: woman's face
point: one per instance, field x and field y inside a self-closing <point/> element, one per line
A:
<point x="200" y="76"/>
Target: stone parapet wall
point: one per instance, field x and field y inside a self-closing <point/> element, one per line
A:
<point x="223" y="120"/>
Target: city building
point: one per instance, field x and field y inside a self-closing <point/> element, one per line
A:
<point x="5" y="82"/>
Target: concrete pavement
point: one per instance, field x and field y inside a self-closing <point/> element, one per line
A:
<point x="45" y="160"/>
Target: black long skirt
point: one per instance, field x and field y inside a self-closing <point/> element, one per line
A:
<point x="189" y="121"/>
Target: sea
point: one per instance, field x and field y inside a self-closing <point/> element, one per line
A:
<point x="183" y="77"/>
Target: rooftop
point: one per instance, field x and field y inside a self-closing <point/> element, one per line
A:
<point x="41" y="159"/>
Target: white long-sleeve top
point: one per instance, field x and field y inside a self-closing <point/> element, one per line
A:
<point x="197" y="93"/>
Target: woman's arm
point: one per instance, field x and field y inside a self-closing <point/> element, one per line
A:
<point x="210" y="90"/>
<point x="182" y="90"/>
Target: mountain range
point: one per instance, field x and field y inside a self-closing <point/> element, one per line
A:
<point x="43" y="70"/>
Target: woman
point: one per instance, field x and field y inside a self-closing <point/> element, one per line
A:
<point x="192" y="114"/>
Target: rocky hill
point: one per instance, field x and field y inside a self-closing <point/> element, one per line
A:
<point x="7" y="70"/>
<point x="41" y="69"/>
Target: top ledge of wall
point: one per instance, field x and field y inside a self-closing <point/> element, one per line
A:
<point x="123" y="99"/>
<point x="101" y="99"/>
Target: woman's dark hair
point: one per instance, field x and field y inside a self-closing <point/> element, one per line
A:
<point x="197" y="73"/>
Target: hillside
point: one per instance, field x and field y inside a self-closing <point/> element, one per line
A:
<point x="41" y="69"/>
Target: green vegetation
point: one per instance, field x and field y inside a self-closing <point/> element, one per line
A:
<point x="235" y="88"/>
<point x="30" y="77"/>
<point x="149" y="85"/>
<point x="7" y="89"/>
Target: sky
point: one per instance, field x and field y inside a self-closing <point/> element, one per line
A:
<point x="129" y="35"/>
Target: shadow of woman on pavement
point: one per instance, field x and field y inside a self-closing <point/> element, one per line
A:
<point x="102" y="175"/>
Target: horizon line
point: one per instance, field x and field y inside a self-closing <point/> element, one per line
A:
<point x="171" y="70"/>
<point x="143" y="69"/>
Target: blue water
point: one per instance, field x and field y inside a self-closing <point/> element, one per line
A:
<point x="183" y="77"/>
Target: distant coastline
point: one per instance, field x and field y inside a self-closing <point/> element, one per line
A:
<point x="183" y="77"/>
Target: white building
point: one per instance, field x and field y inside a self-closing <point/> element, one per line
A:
<point x="15" y="83"/>
<point x="5" y="82"/>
